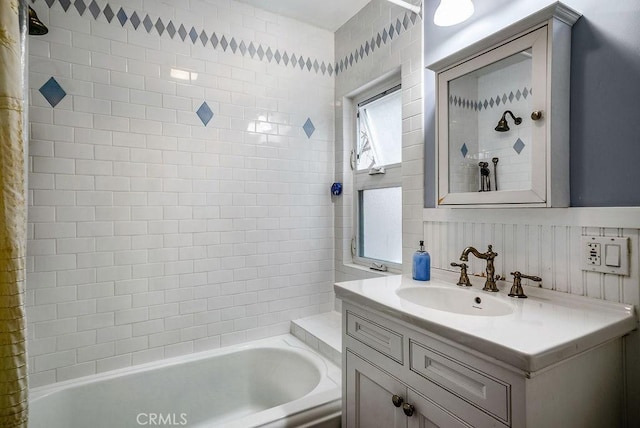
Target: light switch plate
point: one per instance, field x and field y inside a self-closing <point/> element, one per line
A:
<point x="605" y="254"/>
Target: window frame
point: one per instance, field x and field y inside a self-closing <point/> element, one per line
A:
<point x="362" y="180"/>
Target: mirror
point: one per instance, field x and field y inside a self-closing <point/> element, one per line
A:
<point x="490" y="127"/>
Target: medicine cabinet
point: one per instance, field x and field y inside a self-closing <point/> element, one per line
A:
<point x="503" y="116"/>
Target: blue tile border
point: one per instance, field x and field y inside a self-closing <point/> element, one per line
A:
<point x="386" y="35"/>
<point x="490" y="102"/>
<point x="167" y="28"/>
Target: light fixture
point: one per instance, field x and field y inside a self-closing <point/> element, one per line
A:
<point x="503" y="126"/>
<point x="452" y="12"/>
<point x="412" y="7"/>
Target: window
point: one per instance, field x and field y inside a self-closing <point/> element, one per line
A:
<point x="377" y="163"/>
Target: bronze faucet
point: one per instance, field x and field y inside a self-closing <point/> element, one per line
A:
<point x="489" y="256"/>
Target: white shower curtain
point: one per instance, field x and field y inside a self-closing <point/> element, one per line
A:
<point x="13" y="357"/>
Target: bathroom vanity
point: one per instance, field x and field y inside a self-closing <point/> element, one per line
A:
<point x="423" y="354"/>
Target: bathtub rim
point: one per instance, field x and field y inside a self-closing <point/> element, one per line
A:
<point x="328" y="370"/>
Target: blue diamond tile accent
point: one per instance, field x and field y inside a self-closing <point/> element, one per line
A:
<point x="135" y="20"/>
<point x="108" y="13"/>
<point x="330" y="68"/>
<point x="193" y="34"/>
<point x="398" y="27"/>
<point x="309" y="64"/>
<point x="518" y="146"/>
<point x="294" y="60"/>
<point x="525" y="93"/>
<point x="182" y="32"/>
<point x="308" y="127"/>
<point x="301" y="62"/>
<point x="224" y="43"/>
<point x="122" y="17"/>
<point x="171" y="29"/>
<point x="233" y="45"/>
<point x="277" y="56"/>
<point x="316" y="66"/>
<point x="214" y="40"/>
<point x="269" y="54"/>
<point x="518" y="95"/>
<point x="94" y="9"/>
<point x="323" y="68"/>
<point x="511" y="96"/>
<point x="243" y="48"/>
<point x="80" y="6"/>
<point x="285" y="58"/>
<point x="204" y="113"/>
<point x="65" y="4"/>
<point x="204" y="38"/>
<point x="52" y="92"/>
<point x="414" y="16"/>
<point x="252" y="50"/>
<point x="391" y="31"/>
<point x="160" y="26"/>
<point x="148" y="24"/>
<point x="405" y="21"/>
<point x="464" y="150"/>
<point x="366" y="48"/>
<point x="260" y="52"/>
<point x="385" y="36"/>
<point x="49" y="3"/>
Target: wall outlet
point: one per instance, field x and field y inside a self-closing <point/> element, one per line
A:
<point x="605" y="254"/>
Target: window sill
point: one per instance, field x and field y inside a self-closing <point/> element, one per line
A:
<point x="363" y="268"/>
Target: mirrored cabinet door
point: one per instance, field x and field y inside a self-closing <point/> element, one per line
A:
<point x="492" y="125"/>
<point x="502" y="115"/>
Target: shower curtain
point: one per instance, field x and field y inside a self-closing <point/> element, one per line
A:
<point x="13" y="355"/>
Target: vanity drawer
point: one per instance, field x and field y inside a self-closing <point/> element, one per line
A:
<point x="483" y="391"/>
<point x="375" y="336"/>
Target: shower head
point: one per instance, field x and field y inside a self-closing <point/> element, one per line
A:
<point x="36" y="27"/>
<point x="503" y="126"/>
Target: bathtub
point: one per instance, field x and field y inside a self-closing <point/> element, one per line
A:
<point x="275" y="382"/>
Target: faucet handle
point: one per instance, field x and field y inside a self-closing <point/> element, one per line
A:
<point x="516" y="288"/>
<point x="464" y="278"/>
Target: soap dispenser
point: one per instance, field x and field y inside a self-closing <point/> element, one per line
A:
<point x="421" y="264"/>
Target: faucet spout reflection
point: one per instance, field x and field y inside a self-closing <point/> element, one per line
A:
<point x="489" y="256"/>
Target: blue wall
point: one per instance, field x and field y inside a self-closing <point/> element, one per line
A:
<point x="605" y="97"/>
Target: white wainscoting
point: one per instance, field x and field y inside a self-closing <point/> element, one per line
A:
<point x="543" y="242"/>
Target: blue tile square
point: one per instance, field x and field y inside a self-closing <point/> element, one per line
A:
<point x="122" y="17"/>
<point x="108" y="13"/>
<point x="80" y="6"/>
<point x="94" y="9"/>
<point x="52" y="92"/>
<point x="135" y="20"/>
<point x="308" y="127"/>
<point x="518" y="146"/>
<point x="204" y="113"/>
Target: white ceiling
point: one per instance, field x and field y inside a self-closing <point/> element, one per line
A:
<point x="327" y="14"/>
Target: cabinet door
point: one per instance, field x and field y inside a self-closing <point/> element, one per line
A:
<point x="368" y="401"/>
<point x="429" y="415"/>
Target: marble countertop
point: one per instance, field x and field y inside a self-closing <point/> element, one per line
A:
<point x="543" y="329"/>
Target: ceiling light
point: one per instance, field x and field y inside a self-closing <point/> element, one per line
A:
<point x="452" y="12"/>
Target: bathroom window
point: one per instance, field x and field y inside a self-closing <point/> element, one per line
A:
<point x="377" y="163"/>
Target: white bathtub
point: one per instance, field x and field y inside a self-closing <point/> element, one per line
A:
<point x="275" y="382"/>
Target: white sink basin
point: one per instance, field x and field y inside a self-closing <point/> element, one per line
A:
<point x="456" y="300"/>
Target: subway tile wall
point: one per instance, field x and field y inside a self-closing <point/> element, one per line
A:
<point x="181" y="156"/>
<point x="379" y="41"/>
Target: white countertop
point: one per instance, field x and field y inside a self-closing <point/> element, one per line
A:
<point x="543" y="329"/>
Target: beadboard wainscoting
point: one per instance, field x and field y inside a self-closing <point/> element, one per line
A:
<point x="546" y="243"/>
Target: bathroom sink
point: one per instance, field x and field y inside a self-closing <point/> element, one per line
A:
<point x="456" y="300"/>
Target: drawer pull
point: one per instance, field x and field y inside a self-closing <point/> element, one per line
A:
<point x="397" y="400"/>
<point x="408" y="409"/>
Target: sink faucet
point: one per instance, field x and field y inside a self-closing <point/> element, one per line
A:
<point x="489" y="256"/>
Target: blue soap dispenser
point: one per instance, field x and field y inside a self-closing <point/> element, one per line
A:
<point x="421" y="264"/>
